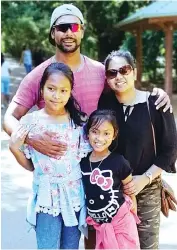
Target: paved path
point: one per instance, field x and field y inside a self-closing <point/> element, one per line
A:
<point x="16" y="184"/>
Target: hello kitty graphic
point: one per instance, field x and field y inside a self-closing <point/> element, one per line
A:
<point x="102" y="203"/>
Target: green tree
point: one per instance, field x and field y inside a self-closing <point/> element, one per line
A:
<point x="28" y="22"/>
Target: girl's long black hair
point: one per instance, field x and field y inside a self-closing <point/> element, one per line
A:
<point x="72" y="105"/>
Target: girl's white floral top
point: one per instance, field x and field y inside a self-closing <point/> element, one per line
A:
<point x="57" y="183"/>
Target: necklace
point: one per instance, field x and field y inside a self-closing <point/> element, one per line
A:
<point x="100" y="161"/>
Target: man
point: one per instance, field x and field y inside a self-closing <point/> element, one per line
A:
<point x="66" y="33"/>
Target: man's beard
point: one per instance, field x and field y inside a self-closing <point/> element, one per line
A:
<point x="64" y="49"/>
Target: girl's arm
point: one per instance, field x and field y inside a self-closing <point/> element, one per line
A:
<point x="16" y="141"/>
<point x="21" y="159"/>
<point x="132" y="196"/>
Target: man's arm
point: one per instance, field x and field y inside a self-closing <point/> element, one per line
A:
<point x="12" y="116"/>
<point x="42" y="143"/>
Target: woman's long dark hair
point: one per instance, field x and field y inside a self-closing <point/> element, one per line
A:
<point x="2" y="59"/>
<point x="72" y="105"/>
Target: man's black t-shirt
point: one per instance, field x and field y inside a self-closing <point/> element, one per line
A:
<point x="103" y="186"/>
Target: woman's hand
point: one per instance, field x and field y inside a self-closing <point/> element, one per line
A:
<point x="163" y="100"/>
<point x="136" y="185"/>
<point x="140" y="182"/>
<point x="18" y="137"/>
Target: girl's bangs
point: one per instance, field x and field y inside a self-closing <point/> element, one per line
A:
<point x="97" y="121"/>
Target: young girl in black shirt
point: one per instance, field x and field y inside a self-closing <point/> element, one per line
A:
<point x="104" y="173"/>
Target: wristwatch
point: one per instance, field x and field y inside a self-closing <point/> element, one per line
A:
<point x="149" y="175"/>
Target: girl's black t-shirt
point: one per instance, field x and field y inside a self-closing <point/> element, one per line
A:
<point x="103" y="186"/>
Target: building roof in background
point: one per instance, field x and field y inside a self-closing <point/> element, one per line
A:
<point x="158" y="9"/>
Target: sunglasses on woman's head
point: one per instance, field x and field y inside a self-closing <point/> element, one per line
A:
<point x="124" y="70"/>
<point x="63" y="27"/>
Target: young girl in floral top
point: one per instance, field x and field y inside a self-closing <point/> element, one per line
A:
<point x="57" y="205"/>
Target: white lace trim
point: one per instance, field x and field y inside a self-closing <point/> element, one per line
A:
<point x="55" y="211"/>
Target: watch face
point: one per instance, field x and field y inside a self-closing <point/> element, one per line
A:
<point x="149" y="174"/>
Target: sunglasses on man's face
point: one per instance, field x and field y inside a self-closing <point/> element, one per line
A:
<point x="74" y="27"/>
<point x="124" y="70"/>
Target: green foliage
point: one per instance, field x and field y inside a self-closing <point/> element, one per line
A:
<point x="102" y="16"/>
<point x="27" y="22"/>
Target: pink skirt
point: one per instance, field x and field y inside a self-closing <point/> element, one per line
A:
<point x="121" y="233"/>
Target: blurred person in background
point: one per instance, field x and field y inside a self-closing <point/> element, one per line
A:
<point x="26" y="58"/>
<point x="5" y="82"/>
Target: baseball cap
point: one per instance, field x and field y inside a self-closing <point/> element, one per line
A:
<point x="62" y="10"/>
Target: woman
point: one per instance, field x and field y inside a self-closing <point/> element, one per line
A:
<point x="136" y="141"/>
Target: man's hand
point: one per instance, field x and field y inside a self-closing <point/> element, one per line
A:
<point x="163" y="99"/>
<point x="46" y="145"/>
